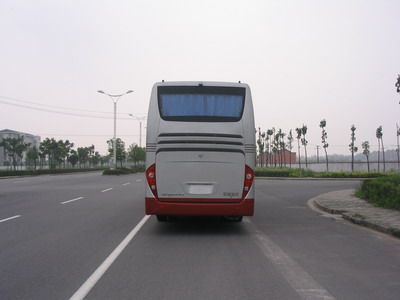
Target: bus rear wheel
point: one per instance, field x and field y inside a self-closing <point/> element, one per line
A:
<point x="162" y="218"/>
<point x="234" y="218"/>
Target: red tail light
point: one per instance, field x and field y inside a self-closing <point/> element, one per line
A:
<point x="248" y="180"/>
<point x="151" y="178"/>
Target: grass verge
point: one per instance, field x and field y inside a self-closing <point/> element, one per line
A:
<point x="383" y="192"/>
<point x="287" y="172"/>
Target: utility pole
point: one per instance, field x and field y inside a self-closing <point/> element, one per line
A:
<point x="318" y="154"/>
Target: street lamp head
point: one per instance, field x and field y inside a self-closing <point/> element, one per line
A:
<point x="130" y="91"/>
<point x="100" y="91"/>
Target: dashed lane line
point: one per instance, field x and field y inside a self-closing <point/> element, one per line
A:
<point x="297" y="277"/>
<point x="72" y="200"/>
<point x="10" y="218"/>
<point x="126" y="183"/>
<point x="88" y="285"/>
<point x="106" y="190"/>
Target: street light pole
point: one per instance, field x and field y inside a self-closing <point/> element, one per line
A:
<point x="115" y="99"/>
<point x="140" y="119"/>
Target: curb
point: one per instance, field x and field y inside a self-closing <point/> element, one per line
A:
<point x="356" y="218"/>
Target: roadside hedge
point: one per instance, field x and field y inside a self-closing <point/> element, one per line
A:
<point x="124" y="171"/>
<point x="9" y="173"/>
<point x="383" y="192"/>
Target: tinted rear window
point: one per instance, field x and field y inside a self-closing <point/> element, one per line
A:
<point x="200" y="103"/>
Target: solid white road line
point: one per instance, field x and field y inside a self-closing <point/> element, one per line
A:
<point x="106" y="190"/>
<point x="10" y="218"/>
<point x="126" y="183"/>
<point x="92" y="280"/>
<point x="298" y="278"/>
<point x="72" y="200"/>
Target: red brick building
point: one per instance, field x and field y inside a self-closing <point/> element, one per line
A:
<point x="281" y="157"/>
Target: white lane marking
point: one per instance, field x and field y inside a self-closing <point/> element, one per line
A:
<point x="20" y="181"/>
<point x="302" y="282"/>
<point x="126" y="183"/>
<point x="72" y="200"/>
<point x="10" y="218"/>
<point x="106" y="190"/>
<point x="95" y="277"/>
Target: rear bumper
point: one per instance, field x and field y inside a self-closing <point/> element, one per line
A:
<point x="156" y="207"/>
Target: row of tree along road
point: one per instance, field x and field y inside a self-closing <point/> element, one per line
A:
<point x="57" y="154"/>
<point x="275" y="146"/>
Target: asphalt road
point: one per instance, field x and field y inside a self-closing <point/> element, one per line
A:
<point x="55" y="232"/>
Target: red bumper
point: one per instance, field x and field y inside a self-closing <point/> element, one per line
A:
<point x="242" y="208"/>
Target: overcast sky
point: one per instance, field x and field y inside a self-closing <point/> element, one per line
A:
<point x="304" y="61"/>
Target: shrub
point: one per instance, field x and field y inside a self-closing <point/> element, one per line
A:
<point x="124" y="171"/>
<point x="383" y="191"/>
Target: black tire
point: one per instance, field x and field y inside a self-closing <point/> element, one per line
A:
<point x="162" y="218"/>
<point x="236" y="219"/>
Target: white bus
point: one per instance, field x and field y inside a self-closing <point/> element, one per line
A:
<point x="200" y="151"/>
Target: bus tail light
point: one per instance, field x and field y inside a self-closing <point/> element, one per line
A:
<point x="151" y="178"/>
<point x="248" y="180"/>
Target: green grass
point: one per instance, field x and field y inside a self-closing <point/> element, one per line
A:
<point x="295" y="172"/>
<point x="382" y="191"/>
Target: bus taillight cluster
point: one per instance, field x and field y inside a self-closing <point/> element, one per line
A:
<point x="151" y="178"/>
<point x="248" y="180"/>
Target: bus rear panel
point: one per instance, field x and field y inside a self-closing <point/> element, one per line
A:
<point x="200" y="153"/>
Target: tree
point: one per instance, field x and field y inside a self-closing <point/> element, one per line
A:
<point x="56" y="151"/>
<point x="136" y="154"/>
<point x="398" y="145"/>
<point x="260" y="144"/>
<point x="281" y="147"/>
<point x="32" y="156"/>
<point x="121" y="153"/>
<point x="398" y="84"/>
<point x="298" y="131"/>
<point x="379" y="136"/>
<point x="83" y="156"/>
<point x="290" y="146"/>
<point x="73" y="158"/>
<point x="269" y="134"/>
<point x="275" y="147"/>
<point x="95" y="158"/>
<point x="15" y="148"/>
<point x="324" y="138"/>
<point x="352" y="148"/>
<point x="304" y="142"/>
<point x="365" y="146"/>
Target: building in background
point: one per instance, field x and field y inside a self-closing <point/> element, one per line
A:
<point x="33" y="140"/>
<point x="278" y="158"/>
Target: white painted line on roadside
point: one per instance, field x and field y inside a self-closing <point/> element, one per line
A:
<point x="106" y="190"/>
<point x="10" y="218"/>
<point x="72" y="200"/>
<point x="127" y="183"/>
<point x="87" y="286"/>
<point x="20" y="181"/>
<point x="298" y="278"/>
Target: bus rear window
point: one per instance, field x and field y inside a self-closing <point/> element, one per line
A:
<point x="201" y="104"/>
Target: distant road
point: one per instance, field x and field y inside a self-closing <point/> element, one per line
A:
<point x="57" y="230"/>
